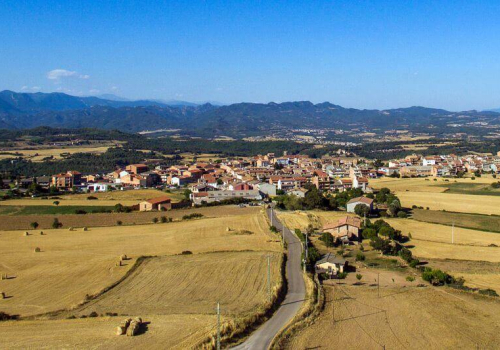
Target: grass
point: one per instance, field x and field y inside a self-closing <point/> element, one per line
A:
<point x="480" y="189"/>
<point x="490" y="223"/>
<point x="37" y="155"/>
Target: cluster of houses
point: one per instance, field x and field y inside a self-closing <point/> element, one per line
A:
<point x="442" y="166"/>
<point x="247" y="177"/>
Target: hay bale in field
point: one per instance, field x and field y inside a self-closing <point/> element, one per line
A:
<point x="133" y="329"/>
<point x="71" y="229"/>
<point x="41" y="233"/>
<point x="228" y="229"/>
<point x="119" y="263"/>
<point x="85" y="229"/>
<point x="37" y="250"/>
<point x="124" y="257"/>
<point x="122" y="328"/>
<point x="138" y="320"/>
<point x="26" y="233"/>
<point x="2" y="295"/>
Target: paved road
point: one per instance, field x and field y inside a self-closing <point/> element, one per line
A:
<point x="261" y="339"/>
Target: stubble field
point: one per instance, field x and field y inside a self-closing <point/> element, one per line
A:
<point x="175" y="293"/>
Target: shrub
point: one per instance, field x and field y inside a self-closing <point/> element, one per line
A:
<point x="34" y="225"/>
<point x="56" y="203"/>
<point x="327" y="238"/>
<point x="436" y="277"/>
<point x="489" y="291"/>
<point x="119" y="222"/>
<point x="186" y="252"/>
<point x="359" y="276"/>
<point x="163" y="219"/>
<point x="80" y="211"/>
<point x="155" y="220"/>
<point x="342" y="275"/>
<point x="402" y="215"/>
<point x="414" y="263"/>
<point x="93" y="314"/>
<point x="273" y="229"/>
<point x="92" y="198"/>
<point x="360" y="257"/>
<point x="192" y="216"/>
<point x="406" y="254"/>
<point x="410" y="278"/>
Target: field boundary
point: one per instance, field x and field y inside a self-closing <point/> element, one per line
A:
<point x="141" y="259"/>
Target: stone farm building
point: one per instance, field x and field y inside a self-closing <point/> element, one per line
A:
<point x="359" y="200"/>
<point x="158" y="203"/>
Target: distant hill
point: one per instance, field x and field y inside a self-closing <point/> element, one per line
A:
<point x="23" y="110"/>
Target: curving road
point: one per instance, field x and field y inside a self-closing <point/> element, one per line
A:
<point x="261" y="339"/>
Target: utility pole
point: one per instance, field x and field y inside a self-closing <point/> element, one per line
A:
<point x="453" y="233"/>
<point x="269" y="277"/>
<point x="378" y="284"/>
<point x="218" y="326"/>
<point x="333" y="304"/>
<point x="307" y="248"/>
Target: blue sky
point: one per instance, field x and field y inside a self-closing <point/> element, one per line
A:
<point x="362" y="54"/>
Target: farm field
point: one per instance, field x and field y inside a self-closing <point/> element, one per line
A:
<point x="473" y="221"/>
<point x="172" y="331"/>
<point x="111" y="198"/>
<point x="37" y="155"/>
<point x="72" y="264"/>
<point x="49" y="210"/>
<point x="405" y="316"/>
<point x="22" y="222"/>
<point x="464" y="203"/>
<point x="175" y="293"/>
<point x="179" y="294"/>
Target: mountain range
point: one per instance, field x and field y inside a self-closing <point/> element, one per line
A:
<point x="28" y="110"/>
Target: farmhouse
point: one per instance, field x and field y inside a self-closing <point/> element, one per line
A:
<point x="346" y="229"/>
<point x="159" y="203"/>
<point x="331" y="264"/>
<point x="359" y="200"/>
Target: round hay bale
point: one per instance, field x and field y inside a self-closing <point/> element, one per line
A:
<point x="85" y="229"/>
<point x="71" y="229"/>
<point x="228" y="229"/>
<point x="133" y="329"/>
<point x="124" y="257"/>
<point x="138" y="320"/>
<point x="41" y="233"/>
<point x="121" y="330"/>
<point x="37" y="250"/>
<point x="2" y="295"/>
<point x="26" y="233"/>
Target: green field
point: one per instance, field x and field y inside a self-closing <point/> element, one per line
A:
<point x="471" y="188"/>
<point x="490" y="223"/>
<point x="47" y="209"/>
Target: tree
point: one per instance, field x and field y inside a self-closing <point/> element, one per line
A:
<point x="360" y="256"/>
<point x="34" y="225"/>
<point x="56" y="203"/>
<point x="369" y="233"/>
<point x="187" y="193"/>
<point x="56" y="223"/>
<point x="359" y="276"/>
<point x="155" y="220"/>
<point x="119" y="208"/>
<point x="327" y="238"/>
<point x="362" y="210"/>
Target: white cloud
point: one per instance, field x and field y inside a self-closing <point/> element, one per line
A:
<point x="33" y="88"/>
<point x="58" y="74"/>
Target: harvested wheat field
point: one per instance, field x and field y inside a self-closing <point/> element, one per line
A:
<point x="129" y="197"/>
<point x="463" y="203"/>
<point x="72" y="264"/>
<point x="191" y="284"/>
<point x="172" y="331"/>
<point x="404" y="317"/>
<point x="317" y="218"/>
<point x="420" y="184"/>
<point x="22" y="222"/>
<point x="37" y="155"/>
